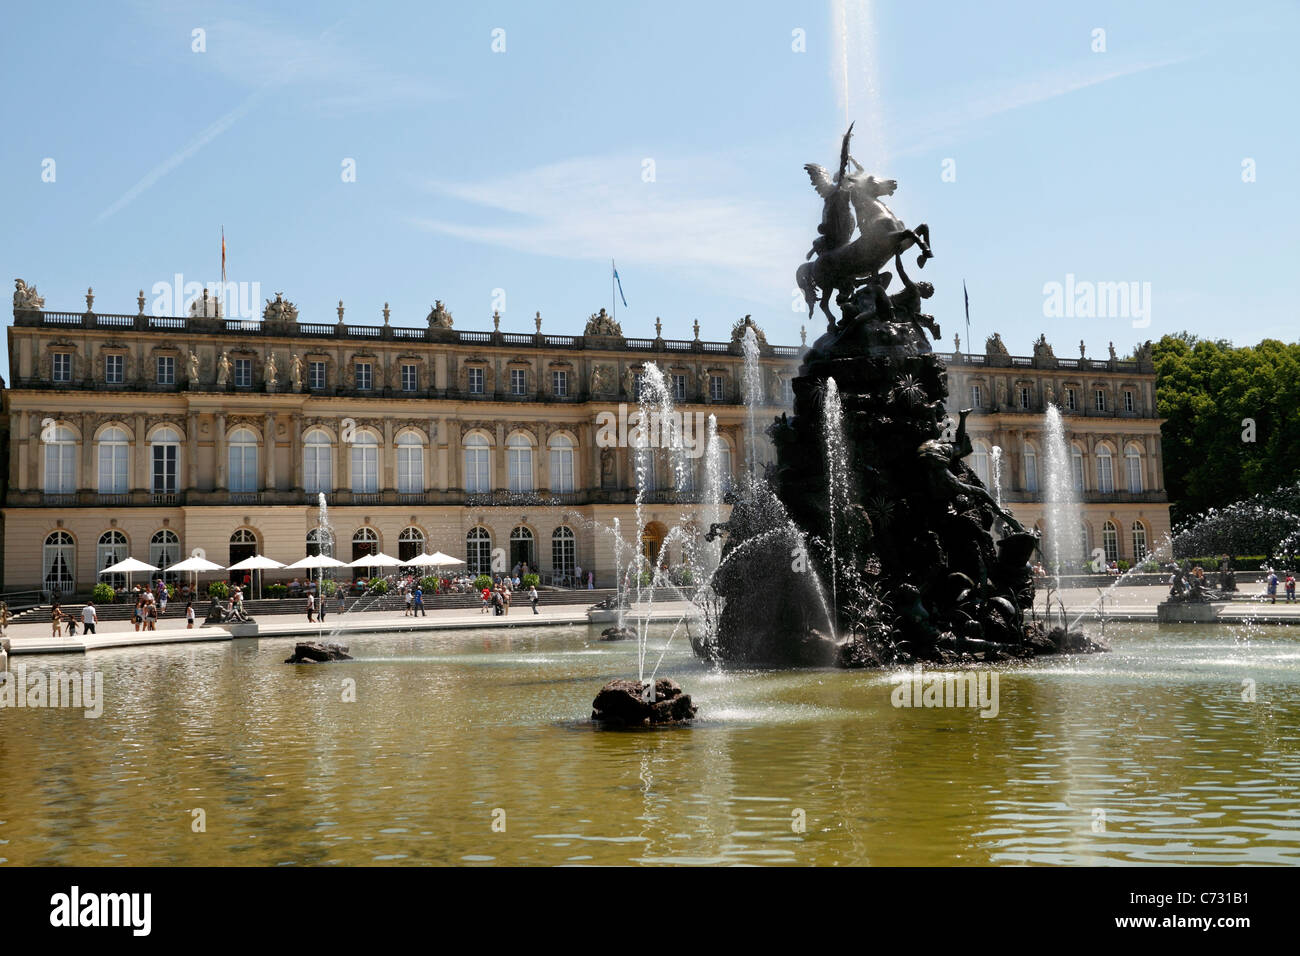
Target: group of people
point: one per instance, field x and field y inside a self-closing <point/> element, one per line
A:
<point x="1288" y="583"/>
<point x="318" y="608"/>
<point x="497" y="598"/>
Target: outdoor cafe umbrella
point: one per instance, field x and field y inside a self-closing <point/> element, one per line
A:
<point x="256" y="563"/>
<point x="126" y="566"/>
<point x="318" y="562"/>
<point x="379" y="560"/>
<point x="195" y="564"/>
<point x="435" y="560"/>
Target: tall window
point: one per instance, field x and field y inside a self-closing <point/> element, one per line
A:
<point x="112" y="548"/>
<point x="559" y="383"/>
<point x="365" y="376"/>
<point x="1128" y="401"/>
<point x="164" y="548"/>
<point x="365" y="463"/>
<point x="61" y="462"/>
<point x="166" y="370"/>
<point x="1100" y="397"/>
<point x="317" y="462"/>
<point x="1139" y="541"/>
<point x="1031" y="469"/>
<point x="243" y="460"/>
<point x="164" y="450"/>
<point x="1024" y="396"/>
<point x="564" y="553"/>
<point x="114" y="369"/>
<point x="1110" y="540"/>
<point x="365" y="542"/>
<point x="521" y="548"/>
<point x="518" y="381"/>
<point x="320" y="541"/>
<point x="561" y="463"/>
<point x="679" y="387"/>
<point x="1133" y="468"/>
<point x="717" y="388"/>
<point x="243" y="373"/>
<point x="724" y="465"/>
<point x="638" y="379"/>
<point x="114" y="453"/>
<point x="478" y="551"/>
<point x="410" y="544"/>
<point x="476" y="381"/>
<point x="478" y="472"/>
<point x="976" y="396"/>
<point x="1076" y="467"/>
<point x="58" y="558"/>
<point x="1105" y="471"/>
<point x="315" y="375"/>
<point x="61" y="366"/>
<point x="410" y="377"/>
<point x="410" y="464"/>
<point x="980" y="458"/>
<point x="519" y="460"/>
<point x="1071" y="400"/>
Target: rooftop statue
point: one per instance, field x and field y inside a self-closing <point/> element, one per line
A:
<point x="25" y="296"/>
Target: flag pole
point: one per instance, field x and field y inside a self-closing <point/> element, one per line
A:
<point x="613" y="302"/>
<point x="966" y="295"/>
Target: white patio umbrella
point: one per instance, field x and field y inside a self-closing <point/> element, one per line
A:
<point x="256" y="563"/>
<point x="379" y="560"/>
<point x="435" y="560"/>
<point x="126" y="566"/>
<point x="194" y="565"/>
<point x="318" y="562"/>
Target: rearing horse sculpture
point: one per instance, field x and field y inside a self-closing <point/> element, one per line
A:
<point x="881" y="235"/>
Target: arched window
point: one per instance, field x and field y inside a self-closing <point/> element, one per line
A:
<point x="410" y="543"/>
<point x="980" y="462"/>
<point x="365" y="463"/>
<point x="410" y="464"/>
<point x="564" y="552"/>
<point x="164" y="550"/>
<point x="59" y="558"/>
<point x="1031" y="468"/>
<point x="114" y="453"/>
<point x="365" y="542"/>
<point x="1105" y="471"/>
<point x="317" y="462"/>
<point x="165" y="450"/>
<point x="320" y="541"/>
<point x="1133" y="468"/>
<point x="243" y="460"/>
<point x="519" y="461"/>
<point x="61" y="462"/>
<point x="478" y="468"/>
<point x="1139" y="542"/>
<point x="1110" y="541"/>
<point x="243" y="544"/>
<point x="521" y="548"/>
<point x="478" y="551"/>
<point x="1076" y="467"/>
<point x="112" y="548"/>
<point x="561" y="463"/>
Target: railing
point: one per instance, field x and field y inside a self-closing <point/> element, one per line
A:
<point x="407" y="333"/>
<point x="316" y="328"/>
<point x="644" y="345"/>
<point x="677" y="345"/>
<point x="164" y="498"/>
<point x="412" y="497"/>
<point x="562" y="341"/>
<point x="61" y="318"/>
<point x="245" y="497"/>
<point x="366" y="331"/>
<point x="367" y="498"/>
<point x="516" y="338"/>
<point x="113" y="498"/>
<point x="715" y="346"/>
<point x="166" y="322"/>
<point x="476" y="338"/>
<point x="58" y="499"/>
<point x="242" y="325"/>
<point x="117" y="321"/>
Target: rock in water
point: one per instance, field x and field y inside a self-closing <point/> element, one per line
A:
<point x="622" y="703"/>
<point x="309" y="652"/>
<point x="617" y="634"/>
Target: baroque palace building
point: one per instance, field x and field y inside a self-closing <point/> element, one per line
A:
<point x="158" y="437"/>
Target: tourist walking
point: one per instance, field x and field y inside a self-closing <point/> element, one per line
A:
<point x="532" y="597"/>
<point x="189" y="615"/>
<point x="137" y="613"/>
<point x="163" y="598"/>
<point x="89" y="618"/>
<point x="417" y="609"/>
<point x="1290" y="587"/>
<point x="409" y="598"/>
<point x="311" y="608"/>
<point x="321" y="617"/>
<point x="505" y="597"/>
<point x="487" y="599"/>
<point x="1272" y="586"/>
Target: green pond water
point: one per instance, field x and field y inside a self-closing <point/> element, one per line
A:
<point x="474" y="748"/>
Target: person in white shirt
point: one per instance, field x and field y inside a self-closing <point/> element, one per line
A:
<point x="89" y="618"/>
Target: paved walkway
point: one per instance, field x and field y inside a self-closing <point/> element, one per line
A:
<point x="35" y="638"/>
<point x="1121" y="604"/>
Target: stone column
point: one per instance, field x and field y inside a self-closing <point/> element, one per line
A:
<point x="269" y="444"/>
<point x="192" y="452"/>
<point x="142" y="480"/>
<point x="453" y="454"/>
<point x="343" y="465"/>
<point x="219" y="450"/>
<point x="388" y="460"/>
<point x="295" y="450"/>
<point x="89" y="480"/>
<point x="34" y="456"/>
<point x="431" y="455"/>
<point x="501" y="474"/>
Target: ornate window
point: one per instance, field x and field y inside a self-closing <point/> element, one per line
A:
<point x="1110" y="541"/>
<point x="561" y="463"/>
<point x="1139" y="541"/>
<point x="317" y="462"/>
<point x="165" y="369"/>
<point x="410" y="377"/>
<point x="365" y="542"/>
<point x="164" y="549"/>
<point x="519" y="460"/>
<point x="717" y="388"/>
<point x="1076" y="467"/>
<point x="478" y="550"/>
<point x="61" y="461"/>
<point x="365" y="463"/>
<point x="164" y="450"/>
<point x="1105" y="471"/>
<point x="315" y="375"/>
<point x="242" y="455"/>
<point x="114" y="369"/>
<point x="112" y="548"/>
<point x="59" y="559"/>
<point x="365" y="376"/>
<point x="521" y="548"/>
<point x="114" y="453"/>
<point x="518" y="378"/>
<point x="478" y="470"/>
<point x="1031" y="469"/>
<point x="564" y="554"/>
<point x="61" y="366"/>
<point x="475" y="380"/>
<point x="243" y="373"/>
<point x="980" y="462"/>
<point x="320" y="541"/>
<point x="559" y="383"/>
<point x="1133" y="468"/>
<point x="410" y="464"/>
<point x="410" y="543"/>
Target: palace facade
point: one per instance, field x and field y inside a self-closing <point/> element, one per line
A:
<point x="161" y="437"/>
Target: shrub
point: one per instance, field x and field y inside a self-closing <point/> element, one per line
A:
<point x="219" y="590"/>
<point x="104" y="593"/>
<point x="482" y="581"/>
<point x="429" y="584"/>
<point x="377" y="586"/>
<point x="681" y="576"/>
<point x="532" y="580"/>
<point x="647" y="578"/>
<point x="1123" y="566"/>
<point x="276" y="590"/>
<point x="329" y="587"/>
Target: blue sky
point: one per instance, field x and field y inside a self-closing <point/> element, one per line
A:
<point x="523" y="170"/>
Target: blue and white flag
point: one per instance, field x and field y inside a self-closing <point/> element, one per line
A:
<point x="620" y="284"/>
